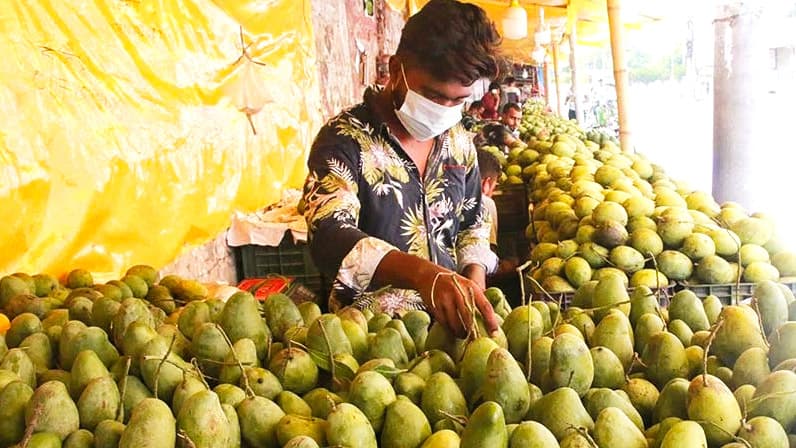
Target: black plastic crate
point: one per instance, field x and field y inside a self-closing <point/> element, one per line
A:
<point x="511" y="202"/>
<point x="288" y="259"/>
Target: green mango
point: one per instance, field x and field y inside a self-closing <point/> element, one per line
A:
<point x="103" y="311"/>
<point x="309" y="312"/>
<point x="763" y="432"/>
<point x="372" y="393"/>
<point x="131" y="310"/>
<point x="597" y="400"/>
<point x="583" y="322"/>
<point x="665" y="358"/>
<point x="613" y="429"/>
<point x="743" y="395"/>
<point x="108" y="433"/>
<point x="486" y="427"/>
<point x="216" y="307"/>
<point x="608" y="369"/>
<point x="321" y="401"/>
<point x="613" y="333"/>
<point x="169" y="374"/>
<point x="17" y="361"/>
<point x="181" y="346"/>
<point x="82" y="438"/>
<point x="15" y="397"/>
<point x="210" y="348"/>
<point x="647" y="326"/>
<point x="133" y="391"/>
<point x="99" y="401"/>
<point x="571" y="365"/>
<point x="544" y="311"/>
<point x="672" y="401"/>
<point x="229" y="394"/>
<point x="203" y="421"/>
<point x="610" y="293"/>
<point x="560" y="410"/>
<point x="189" y="386"/>
<point x="76" y="337"/>
<point x="431" y="362"/>
<point x="406" y="338"/>
<point x="11" y="286"/>
<point x="235" y="439"/>
<point x="295" y="370"/>
<point x="772" y="305"/>
<point x="535" y="393"/>
<point x="685" y="305"/>
<point x="532" y="435"/>
<point x="136" y="336"/>
<point x="472" y="369"/>
<point x="517" y="326"/>
<point x="681" y="330"/>
<point x="442" y="395"/>
<point x="244" y="352"/>
<point x="241" y="319"/>
<point x="357" y="338"/>
<point x="712" y="306"/>
<point x="21" y="327"/>
<point x="685" y="433"/>
<point x="711" y="401"/>
<point x="643" y="395"/>
<point x="80" y="308"/>
<point x="540" y="359"/>
<point x="695" y="355"/>
<point x="53" y="409"/>
<point x="151" y="424"/>
<point x="298" y="335"/>
<point x="405" y="425"/>
<point x="750" y="368"/>
<point x="782" y="344"/>
<point x="281" y="313"/>
<point x="326" y="338"/>
<point x="576" y="440"/>
<point x="739" y="332"/>
<point x="292" y="426"/>
<point x="417" y="323"/>
<point x="442" y="439"/>
<point x="378" y="322"/>
<point x="389" y="344"/>
<point x="301" y="442"/>
<point x="506" y="385"/>
<point x="293" y="404"/>
<point x="193" y="315"/>
<point x="353" y="315"/>
<point x="656" y="432"/>
<point x="642" y="301"/>
<point x="87" y="367"/>
<point x="262" y="381"/>
<point x="39" y="350"/>
<point x="409" y="385"/>
<point x="259" y="417"/>
<point x="775" y="397"/>
<point x="348" y="426"/>
<point x="44" y="440"/>
<point x="439" y="338"/>
<point x="7" y="377"/>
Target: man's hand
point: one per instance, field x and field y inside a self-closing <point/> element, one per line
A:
<point x="476" y="273"/>
<point x="453" y="299"/>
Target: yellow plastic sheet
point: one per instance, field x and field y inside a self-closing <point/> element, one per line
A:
<point x="122" y="139"/>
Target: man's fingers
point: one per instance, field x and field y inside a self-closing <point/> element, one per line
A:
<point x="490" y="319"/>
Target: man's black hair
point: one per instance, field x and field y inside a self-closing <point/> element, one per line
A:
<point x="452" y="41"/>
<point x="514" y="106"/>
<point x="494" y="86"/>
<point x="509" y="80"/>
<point x="488" y="164"/>
<point x="477" y="104"/>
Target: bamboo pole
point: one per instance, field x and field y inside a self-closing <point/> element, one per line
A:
<point x="573" y="68"/>
<point x="620" y="72"/>
<point x="555" y="73"/>
<point x="546" y="84"/>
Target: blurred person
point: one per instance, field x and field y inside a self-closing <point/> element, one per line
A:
<point x="511" y="118"/>
<point x="491" y="102"/>
<point x="511" y="93"/>
<point x="473" y="115"/>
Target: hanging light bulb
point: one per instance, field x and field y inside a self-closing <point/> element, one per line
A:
<point x="538" y="54"/>
<point x="515" y="22"/>
<point x="542" y="34"/>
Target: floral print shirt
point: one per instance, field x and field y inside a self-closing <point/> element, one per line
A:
<point x="364" y="197"/>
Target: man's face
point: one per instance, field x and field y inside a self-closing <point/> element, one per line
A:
<point x="446" y="93"/>
<point x="511" y="118"/>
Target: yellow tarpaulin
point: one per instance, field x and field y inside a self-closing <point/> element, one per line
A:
<point x="123" y="138"/>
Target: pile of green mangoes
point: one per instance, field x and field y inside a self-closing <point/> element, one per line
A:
<point x="149" y="362"/>
<point x="598" y="208"/>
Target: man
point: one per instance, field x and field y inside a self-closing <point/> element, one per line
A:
<point x="511" y="118"/>
<point x="489" y="166"/>
<point x="394" y="193"/>
<point x="511" y="93"/>
<point x="473" y="115"/>
<point x="505" y="133"/>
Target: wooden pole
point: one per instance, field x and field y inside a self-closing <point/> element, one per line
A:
<point x="620" y="72"/>
<point x="555" y="73"/>
<point x="573" y="68"/>
<point x="546" y="84"/>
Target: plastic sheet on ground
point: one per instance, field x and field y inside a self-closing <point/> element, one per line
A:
<point x="125" y="137"/>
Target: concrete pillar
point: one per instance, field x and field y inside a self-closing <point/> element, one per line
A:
<point x="740" y="154"/>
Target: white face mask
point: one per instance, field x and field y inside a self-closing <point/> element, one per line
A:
<point x="424" y="119"/>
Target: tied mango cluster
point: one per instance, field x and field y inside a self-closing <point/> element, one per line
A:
<point x="598" y="210"/>
<point x="163" y="362"/>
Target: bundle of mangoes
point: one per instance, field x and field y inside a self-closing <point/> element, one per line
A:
<point x="143" y="362"/>
<point x="597" y="208"/>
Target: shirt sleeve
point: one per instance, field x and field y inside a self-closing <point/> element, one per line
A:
<point x="339" y="249"/>
<point x="472" y="242"/>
